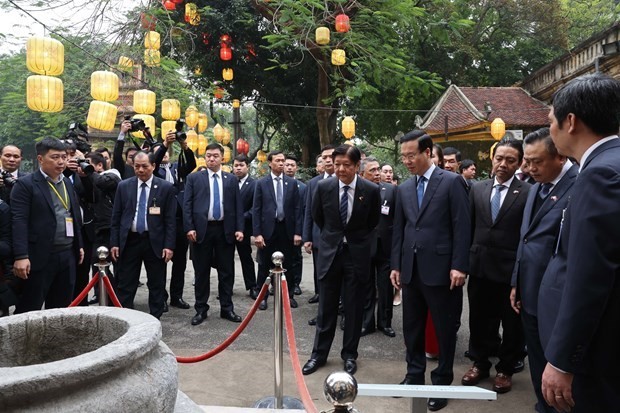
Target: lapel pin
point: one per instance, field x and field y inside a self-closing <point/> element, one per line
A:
<point x="554" y="198"/>
<point x="361" y="198"/>
<point x="515" y="191"/>
<point x="155" y="186"/>
<point x="285" y="183"/>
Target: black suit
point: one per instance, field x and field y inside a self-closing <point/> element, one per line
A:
<point x="491" y="261"/>
<point x="244" y="248"/>
<point x="52" y="273"/>
<point x="343" y="267"/>
<point x="147" y="247"/>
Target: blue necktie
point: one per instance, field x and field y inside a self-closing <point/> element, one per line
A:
<point x="545" y="189"/>
<point x="217" y="214"/>
<point x="496" y="201"/>
<point x="141" y="219"/>
<point x="344" y="205"/>
<point x="421" y="181"/>
<point x="279" y="196"/>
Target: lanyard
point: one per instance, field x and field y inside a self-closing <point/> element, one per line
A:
<point x="64" y="201"/>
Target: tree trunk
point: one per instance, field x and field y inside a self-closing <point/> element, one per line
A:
<point x="323" y="111"/>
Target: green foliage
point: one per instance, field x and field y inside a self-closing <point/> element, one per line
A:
<point x="589" y="17"/>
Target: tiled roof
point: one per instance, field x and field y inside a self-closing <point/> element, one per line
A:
<point x="465" y="107"/>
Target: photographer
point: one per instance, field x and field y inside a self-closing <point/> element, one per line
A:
<point x="125" y="166"/>
<point x="10" y="159"/>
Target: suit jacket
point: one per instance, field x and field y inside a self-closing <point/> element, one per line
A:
<point x="494" y="246"/>
<point x="161" y="228"/>
<point x="539" y="234"/>
<point x="579" y="329"/>
<point x="358" y="231"/>
<point x="310" y="231"/>
<point x="437" y="234"/>
<point x="386" y="221"/>
<point x="247" y="199"/>
<point x="34" y="219"/>
<point x="118" y="162"/>
<point x="264" y="207"/>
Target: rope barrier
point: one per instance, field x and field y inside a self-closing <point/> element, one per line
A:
<point x="233" y="336"/>
<point x="292" y="345"/>
<point x="85" y="291"/>
<point x="111" y="293"/>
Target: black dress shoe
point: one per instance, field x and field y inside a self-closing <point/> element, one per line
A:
<point x="262" y="305"/>
<point x="436" y="404"/>
<point x="366" y="331"/>
<point x="253" y="293"/>
<point x="519" y="366"/>
<point x="388" y="331"/>
<point x="199" y="318"/>
<point x="180" y="303"/>
<point x="312" y="321"/>
<point x="294" y="303"/>
<point x="297" y="290"/>
<point x="230" y="316"/>
<point x="350" y="366"/>
<point x="311" y="366"/>
<point x="314" y="299"/>
<point x="166" y="307"/>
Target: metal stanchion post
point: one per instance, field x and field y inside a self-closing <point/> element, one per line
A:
<point x="340" y="389"/>
<point x="102" y="265"/>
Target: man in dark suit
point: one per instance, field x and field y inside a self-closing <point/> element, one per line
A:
<point x="142" y="230"/>
<point x="124" y="166"/>
<point x="47" y="242"/>
<point x="347" y="211"/>
<point x="379" y="291"/>
<point x="213" y="221"/>
<point x="10" y="160"/>
<point x="296" y="267"/>
<point x="244" y="247"/>
<point x="497" y="211"/>
<point x="555" y="176"/>
<point x="430" y="258"/>
<point x="277" y="220"/>
<point x="579" y="298"/>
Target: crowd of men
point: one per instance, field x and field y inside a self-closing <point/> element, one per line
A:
<point x="535" y="243"/>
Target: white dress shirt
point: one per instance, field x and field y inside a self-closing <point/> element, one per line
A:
<point x="504" y="191"/>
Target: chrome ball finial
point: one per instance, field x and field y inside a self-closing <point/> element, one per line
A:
<point x="277" y="258"/>
<point x="102" y="253"/>
<point x="340" y="389"/>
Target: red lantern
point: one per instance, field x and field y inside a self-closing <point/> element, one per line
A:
<point x="205" y="38"/>
<point x="342" y="23"/>
<point x="243" y="146"/>
<point x="225" y="53"/>
<point x="177" y="1"/>
<point x="169" y="5"/>
<point x="219" y="93"/>
<point x="148" y="21"/>
<point x="225" y="40"/>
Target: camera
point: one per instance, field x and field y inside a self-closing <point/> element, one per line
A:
<point x="7" y="178"/>
<point x="86" y="167"/>
<point x="77" y="135"/>
<point x="136" y="124"/>
<point x="179" y="135"/>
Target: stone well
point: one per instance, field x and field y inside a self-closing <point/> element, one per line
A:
<point x="85" y="359"/>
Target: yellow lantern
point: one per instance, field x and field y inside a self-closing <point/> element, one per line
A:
<point x="44" y="93"/>
<point x="150" y="123"/>
<point x="152" y="57"/>
<point x="151" y="40"/>
<point x="339" y="57"/>
<point x="101" y="115"/>
<point x="170" y="109"/>
<point x="236" y="103"/>
<point x="261" y="156"/>
<point x="203" y="122"/>
<point x="192" y="140"/>
<point x="104" y="85"/>
<point x="498" y="129"/>
<point x="227" y="74"/>
<point x="348" y="127"/>
<point x="45" y="56"/>
<point x="191" y="116"/>
<point x="167" y="126"/>
<point x="218" y="132"/>
<point x="125" y="63"/>
<point x="226" y="137"/>
<point x="200" y="162"/>
<point x="202" y="144"/>
<point x="321" y="35"/>
<point x="144" y="101"/>
<point x="227" y="154"/>
<point x="191" y="11"/>
<point x="226" y="168"/>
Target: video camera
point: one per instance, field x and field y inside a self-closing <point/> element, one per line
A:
<point x="78" y="135"/>
<point x="86" y="167"/>
<point x="179" y="134"/>
<point x="7" y="178"/>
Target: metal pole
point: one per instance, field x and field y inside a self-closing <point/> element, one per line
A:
<point x="102" y="265"/>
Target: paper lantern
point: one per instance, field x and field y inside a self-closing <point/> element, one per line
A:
<point x="191" y="11"/>
<point x="191" y="116"/>
<point x="45" y="56"/>
<point x="339" y="57"/>
<point x="200" y="162"/>
<point x="498" y="129"/>
<point x="169" y="5"/>
<point x="144" y="101"/>
<point x="348" y="127"/>
<point x="152" y="58"/>
<point x="202" y="144"/>
<point x="177" y="1"/>
<point x="243" y="146"/>
<point x="194" y="20"/>
<point x="321" y="35"/>
<point x="261" y="156"/>
<point x="151" y="40"/>
<point x="104" y="85"/>
<point x="170" y="109"/>
<point x="125" y="63"/>
<point x="225" y="40"/>
<point x="218" y="132"/>
<point x="225" y="53"/>
<point x="167" y="126"/>
<point x="227" y="154"/>
<point x="44" y="93"/>
<point x="203" y="122"/>
<point x="219" y="93"/>
<point x="236" y="103"/>
<point x="150" y="123"/>
<point x="226" y="137"/>
<point x="101" y="115"/>
<point x="192" y="140"/>
<point x="227" y="74"/>
<point x="342" y="23"/>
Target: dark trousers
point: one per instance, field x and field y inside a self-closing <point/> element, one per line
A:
<point x="279" y="241"/>
<point x="536" y="358"/>
<point x="489" y="304"/>
<point x="379" y="294"/>
<point x="214" y="243"/>
<point x="179" y="264"/>
<point x="445" y="306"/>
<point x="244" y="249"/>
<point x="296" y="265"/>
<point x="52" y="284"/>
<point x="340" y="279"/>
<point x="596" y="393"/>
<point x="315" y="254"/>
<point x="137" y="250"/>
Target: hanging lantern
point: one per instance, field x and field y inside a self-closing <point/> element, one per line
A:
<point x="191" y="116"/>
<point x="169" y="5"/>
<point x="205" y="38"/>
<point x="342" y="23"/>
<point x="243" y="146"/>
<point x="170" y="109"/>
<point x="101" y="115"/>
<point x="219" y="93"/>
<point x="104" y="85"/>
<point x="227" y="154"/>
<point x="498" y="129"/>
<point x="339" y="57"/>
<point x="218" y="132"/>
<point x="225" y="53"/>
<point x="225" y="40"/>
<point x="227" y="74"/>
<point x="125" y="63"/>
<point x="261" y="156"/>
<point x="198" y="71"/>
<point x="149" y="121"/>
<point x="177" y="1"/>
<point x="167" y="126"/>
<point x="194" y="20"/>
<point x="192" y="140"/>
<point x="203" y="122"/>
<point x="151" y="40"/>
<point x="226" y="137"/>
<point x="152" y="58"/>
<point x="348" y="127"/>
<point x="202" y="144"/>
<point x="45" y="56"/>
<point x="191" y="11"/>
<point x="144" y="101"/>
<point x="148" y="21"/>
<point x="236" y="103"/>
<point x="321" y="35"/>
<point x="44" y="93"/>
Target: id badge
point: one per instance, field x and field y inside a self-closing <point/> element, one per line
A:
<point x="385" y="210"/>
<point x="154" y="210"/>
<point x="69" y="226"/>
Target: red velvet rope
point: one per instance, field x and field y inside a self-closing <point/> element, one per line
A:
<point x="111" y="293"/>
<point x="85" y="291"/>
